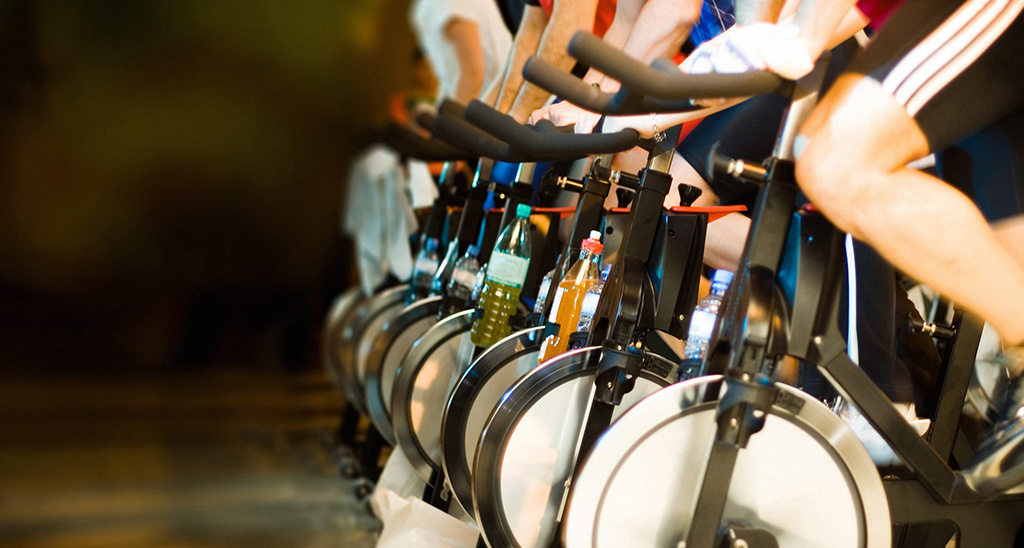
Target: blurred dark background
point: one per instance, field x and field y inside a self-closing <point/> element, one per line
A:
<point x="172" y="173"/>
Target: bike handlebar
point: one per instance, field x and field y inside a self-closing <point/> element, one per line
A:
<point x="547" y="140"/>
<point x="456" y="130"/>
<point x="660" y="87"/>
<point x="413" y="145"/>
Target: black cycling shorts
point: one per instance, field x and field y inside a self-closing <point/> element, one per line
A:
<point x="955" y="65"/>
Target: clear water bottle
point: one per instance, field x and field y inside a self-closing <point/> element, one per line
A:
<point x="460" y="286"/>
<point x="478" y="286"/>
<point x="424" y="269"/>
<point x="702" y="321"/>
<point x="545" y="286"/>
<point x="506" y="273"/>
<point x="444" y="268"/>
<point x="590" y="300"/>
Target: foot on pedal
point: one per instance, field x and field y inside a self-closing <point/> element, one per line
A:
<point x="999" y="465"/>
<point x="880" y="452"/>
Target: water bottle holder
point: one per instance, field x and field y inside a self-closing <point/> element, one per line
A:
<point x="578" y="340"/>
<point x="690" y="368"/>
<point x="518" y="322"/>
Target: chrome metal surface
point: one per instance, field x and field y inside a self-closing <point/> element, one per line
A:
<point x="389" y="349"/>
<point x="526" y="453"/>
<point x="342" y="306"/>
<point x="423" y="383"/>
<point x="474" y="398"/>
<point x="988" y="378"/>
<point x="805" y="477"/>
<point x="380" y="309"/>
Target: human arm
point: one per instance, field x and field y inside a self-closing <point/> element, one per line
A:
<point x="567" y="18"/>
<point x="527" y="38"/>
<point x="464" y="37"/>
<point x="657" y="29"/>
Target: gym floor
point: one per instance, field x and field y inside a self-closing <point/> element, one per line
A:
<point x="215" y="457"/>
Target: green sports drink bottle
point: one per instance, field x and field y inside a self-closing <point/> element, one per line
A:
<point x="506" y="272"/>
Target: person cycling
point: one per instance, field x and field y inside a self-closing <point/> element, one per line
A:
<point x="935" y="72"/>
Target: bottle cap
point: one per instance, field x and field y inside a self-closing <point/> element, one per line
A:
<point x="595" y="235"/>
<point x="522" y="210"/>
<point x="473" y="251"/>
<point x="721" y="277"/>
<point x="593" y="246"/>
<point x="431" y="244"/>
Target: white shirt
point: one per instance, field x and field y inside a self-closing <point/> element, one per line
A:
<point x="429" y="18"/>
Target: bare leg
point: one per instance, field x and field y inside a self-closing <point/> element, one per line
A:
<point x="857" y="142"/>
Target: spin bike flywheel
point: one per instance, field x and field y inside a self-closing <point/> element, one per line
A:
<point x="475" y="396"/>
<point x="805" y="478"/>
<point x="527" y="452"/>
<point x="389" y="349"/>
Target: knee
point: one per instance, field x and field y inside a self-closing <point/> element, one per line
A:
<point x="822" y="170"/>
<point x="835" y="180"/>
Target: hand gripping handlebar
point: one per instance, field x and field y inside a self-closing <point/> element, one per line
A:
<point x="660" y="87"/>
<point x="489" y="133"/>
<point x="547" y="140"/>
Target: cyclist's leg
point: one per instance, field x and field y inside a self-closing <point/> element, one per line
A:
<point x="891" y="109"/>
<point x="857" y="144"/>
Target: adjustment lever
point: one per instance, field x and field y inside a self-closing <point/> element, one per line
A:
<point x="935" y="330"/>
<point x="739" y="169"/>
<point x="552" y="181"/>
<point x="616" y="177"/>
<point x="624" y="197"/>
<point x="688" y="194"/>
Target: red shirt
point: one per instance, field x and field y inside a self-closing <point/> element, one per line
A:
<point x="877" y="11"/>
<point x="602" y="19"/>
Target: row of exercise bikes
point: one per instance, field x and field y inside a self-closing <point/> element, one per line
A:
<point x="619" y="441"/>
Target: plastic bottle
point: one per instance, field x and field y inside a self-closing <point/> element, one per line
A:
<point x="424" y="269"/>
<point x="460" y="286"/>
<point x="444" y="268"/>
<point x="478" y="286"/>
<point x="506" y="273"/>
<point x="565" y="311"/>
<point x="702" y="321"/>
<point x="545" y="286"/>
<point x="590" y="299"/>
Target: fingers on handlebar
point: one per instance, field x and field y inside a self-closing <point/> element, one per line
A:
<point x="660" y="87"/>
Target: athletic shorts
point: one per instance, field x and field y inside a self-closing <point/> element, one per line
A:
<point x="955" y="65"/>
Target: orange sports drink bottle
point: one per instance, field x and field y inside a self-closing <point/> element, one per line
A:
<point x="565" y="311"/>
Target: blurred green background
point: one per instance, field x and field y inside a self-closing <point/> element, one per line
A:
<point x="172" y="173"/>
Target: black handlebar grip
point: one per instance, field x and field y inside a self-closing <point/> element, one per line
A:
<point x="458" y="131"/>
<point x="662" y="83"/>
<point x="413" y="145"/>
<point x="545" y="144"/>
<point x="581" y="94"/>
<point x="546" y="126"/>
<point x="566" y="86"/>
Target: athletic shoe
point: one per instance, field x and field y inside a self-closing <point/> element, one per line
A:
<point x="999" y="464"/>
<point x="879" y="450"/>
